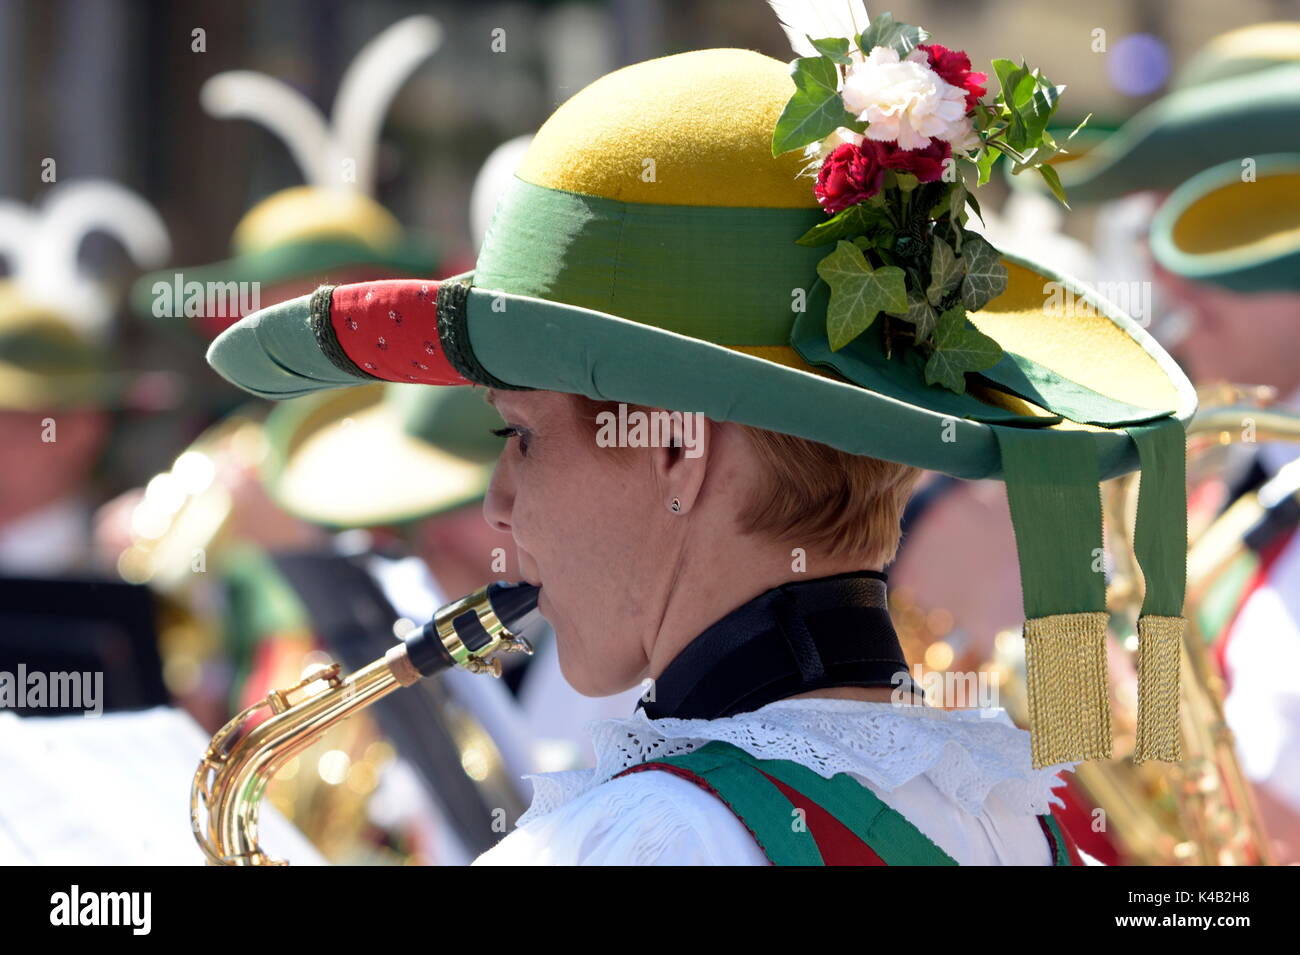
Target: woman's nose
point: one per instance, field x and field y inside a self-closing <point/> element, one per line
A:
<point x="500" y="498"/>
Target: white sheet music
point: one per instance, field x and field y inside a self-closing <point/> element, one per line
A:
<point x="114" y="790"/>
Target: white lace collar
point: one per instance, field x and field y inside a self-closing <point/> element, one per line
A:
<point x="967" y="754"/>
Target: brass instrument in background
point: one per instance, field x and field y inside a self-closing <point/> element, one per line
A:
<point x="1200" y="811"/>
<point x="470" y="633"/>
<point x="178" y="527"/>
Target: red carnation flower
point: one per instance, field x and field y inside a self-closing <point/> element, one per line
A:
<point x="849" y="175"/>
<point x="953" y="66"/>
<point x="925" y="164"/>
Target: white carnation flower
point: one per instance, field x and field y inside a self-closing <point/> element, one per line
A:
<point x="905" y="101"/>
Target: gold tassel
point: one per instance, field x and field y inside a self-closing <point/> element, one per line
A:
<point x="1160" y="642"/>
<point x="1069" y="703"/>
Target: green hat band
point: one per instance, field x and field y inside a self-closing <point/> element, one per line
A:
<point x="727" y="274"/>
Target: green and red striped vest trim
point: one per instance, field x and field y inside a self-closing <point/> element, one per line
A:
<point x="839" y="821"/>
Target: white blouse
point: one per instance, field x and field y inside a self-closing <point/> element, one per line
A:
<point x="963" y="777"/>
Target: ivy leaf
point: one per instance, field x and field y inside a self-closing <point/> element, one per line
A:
<point x="858" y="293"/>
<point x="855" y="220"/>
<point x="835" y="48"/>
<point x="886" y="31"/>
<point x="946" y="271"/>
<point x="959" y="347"/>
<point x="815" y="110"/>
<point x="986" y="276"/>
<point x="920" y="314"/>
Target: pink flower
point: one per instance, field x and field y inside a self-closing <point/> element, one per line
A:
<point x="925" y="164"/>
<point x="849" y="175"/>
<point x="953" y="67"/>
<point x="854" y="173"/>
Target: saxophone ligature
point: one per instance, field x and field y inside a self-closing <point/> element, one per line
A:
<point x="472" y="633"/>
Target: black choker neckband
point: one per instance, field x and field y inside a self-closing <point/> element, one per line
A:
<point x="808" y="635"/>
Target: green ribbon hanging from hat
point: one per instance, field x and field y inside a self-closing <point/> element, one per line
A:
<point x="1053" y="487"/>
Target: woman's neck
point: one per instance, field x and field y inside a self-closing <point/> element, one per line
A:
<point x="824" y="636"/>
<point x="699" y="599"/>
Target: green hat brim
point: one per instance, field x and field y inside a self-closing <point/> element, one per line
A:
<point x="508" y="340"/>
<point x="1184" y="133"/>
<point x="1270" y="262"/>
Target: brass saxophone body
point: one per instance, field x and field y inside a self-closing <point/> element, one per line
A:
<point x="471" y="632"/>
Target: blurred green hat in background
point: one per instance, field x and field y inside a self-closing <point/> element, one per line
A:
<point x="55" y="319"/>
<point x="1236" y="225"/>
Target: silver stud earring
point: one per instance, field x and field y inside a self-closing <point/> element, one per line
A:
<point x="676" y="504"/>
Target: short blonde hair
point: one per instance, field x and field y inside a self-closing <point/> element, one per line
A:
<point x="815" y="496"/>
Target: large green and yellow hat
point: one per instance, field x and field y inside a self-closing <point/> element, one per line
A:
<point x="645" y="252"/>
<point x="380" y="454"/>
<point x="1238" y="96"/>
<point x="55" y="316"/>
<point x="329" y="229"/>
<point x="1236" y="225"/>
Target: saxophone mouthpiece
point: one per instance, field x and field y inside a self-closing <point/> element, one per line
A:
<point x="471" y="633"/>
<point x="515" y="605"/>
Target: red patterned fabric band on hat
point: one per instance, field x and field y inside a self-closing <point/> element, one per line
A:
<point x="390" y="330"/>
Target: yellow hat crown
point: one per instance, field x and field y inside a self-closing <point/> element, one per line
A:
<point x="690" y="129"/>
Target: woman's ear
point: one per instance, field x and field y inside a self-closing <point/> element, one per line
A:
<point x="681" y="463"/>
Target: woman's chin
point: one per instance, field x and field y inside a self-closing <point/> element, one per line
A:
<point x="581" y="680"/>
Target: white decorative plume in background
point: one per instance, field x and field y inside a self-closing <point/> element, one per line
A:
<point x="323" y="149"/>
<point x="42" y="244"/>
<point x="801" y="19"/>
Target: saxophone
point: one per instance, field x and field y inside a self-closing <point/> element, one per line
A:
<point x="471" y="633"/>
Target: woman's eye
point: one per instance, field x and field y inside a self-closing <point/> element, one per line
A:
<point x="513" y="432"/>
